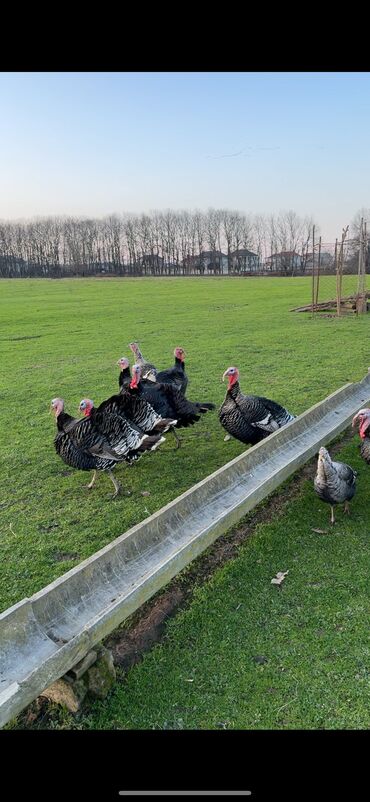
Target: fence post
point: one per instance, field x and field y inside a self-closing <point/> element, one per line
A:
<point x="361" y="304"/>
<point x="313" y="269"/>
<point x="318" y="273"/>
<point x="337" y="274"/>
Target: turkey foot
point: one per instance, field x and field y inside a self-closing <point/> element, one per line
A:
<point x="346" y="507"/>
<point x="177" y="438"/>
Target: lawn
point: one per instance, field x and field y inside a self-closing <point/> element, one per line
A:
<point x="64" y="338"/>
<point x="247" y="654"/>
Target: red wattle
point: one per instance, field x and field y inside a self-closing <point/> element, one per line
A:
<point x="363" y="429"/>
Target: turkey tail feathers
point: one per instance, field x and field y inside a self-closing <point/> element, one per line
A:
<point x="163" y="425"/>
<point x="151" y="442"/>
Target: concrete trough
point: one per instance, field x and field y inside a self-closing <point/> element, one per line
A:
<point x="43" y="637"/>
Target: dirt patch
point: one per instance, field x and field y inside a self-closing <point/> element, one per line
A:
<point x="62" y="556"/>
<point x="47" y="527"/>
<point x="128" y="649"/>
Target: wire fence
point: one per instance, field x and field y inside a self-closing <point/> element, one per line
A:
<point x="340" y="279"/>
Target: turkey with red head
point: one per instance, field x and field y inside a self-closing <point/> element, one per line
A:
<point x="250" y="418"/>
<point x="175" y="375"/>
<point x="168" y="401"/>
<point x="362" y="420"/>
<point x="135" y="407"/>
<point x="98" y="441"/>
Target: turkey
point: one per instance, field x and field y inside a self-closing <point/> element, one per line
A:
<point x="138" y="412"/>
<point x="168" y="401"/>
<point x="335" y="482"/>
<point x="363" y="420"/>
<point x="125" y="375"/>
<point x="97" y="442"/>
<point x="110" y="421"/>
<point x="137" y="408"/>
<point x="175" y="375"/>
<point x="250" y="418"/>
<point x="149" y="371"/>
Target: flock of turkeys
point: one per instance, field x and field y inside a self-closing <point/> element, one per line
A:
<point x="151" y="402"/>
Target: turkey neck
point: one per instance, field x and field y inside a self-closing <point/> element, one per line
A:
<point x="62" y="421"/>
<point x="124" y="376"/>
<point x="139" y="356"/>
<point x="180" y="364"/>
<point x="365" y="448"/>
<point x="233" y="391"/>
<point x="325" y="471"/>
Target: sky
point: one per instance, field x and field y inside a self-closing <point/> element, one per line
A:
<point x="92" y="144"/>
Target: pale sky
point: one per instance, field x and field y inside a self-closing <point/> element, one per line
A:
<point x="91" y="144"/>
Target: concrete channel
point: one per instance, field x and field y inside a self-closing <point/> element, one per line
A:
<point x="44" y="636"/>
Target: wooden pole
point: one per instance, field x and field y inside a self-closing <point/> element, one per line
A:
<point x="361" y="305"/>
<point x="318" y="273"/>
<point x="313" y="269"/>
<point x="360" y="279"/>
<point x="341" y="260"/>
<point x="336" y="270"/>
<point x="365" y="254"/>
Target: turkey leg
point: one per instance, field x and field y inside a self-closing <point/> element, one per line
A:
<point x="116" y="484"/>
<point x="92" y="481"/>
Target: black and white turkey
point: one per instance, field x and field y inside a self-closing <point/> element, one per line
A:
<point x="168" y="401"/>
<point x="250" y="418"/>
<point x="109" y="419"/>
<point x="149" y="371"/>
<point x="335" y="482"/>
<point x="362" y="419"/>
<point x="136" y="407"/>
<point x="98" y="441"/>
<point x="138" y="412"/>
<point x="175" y="375"/>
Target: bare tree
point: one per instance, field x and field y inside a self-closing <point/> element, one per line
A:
<point x="155" y="243"/>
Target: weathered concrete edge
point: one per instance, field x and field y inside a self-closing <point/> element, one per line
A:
<point x="18" y="695"/>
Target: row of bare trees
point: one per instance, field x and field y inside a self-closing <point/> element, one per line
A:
<point x="160" y="243"/>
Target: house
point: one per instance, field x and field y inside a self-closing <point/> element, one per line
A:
<point x="244" y="261"/>
<point x="150" y="262"/>
<point x="207" y="263"/>
<point x="326" y="260"/>
<point x="286" y="261"/>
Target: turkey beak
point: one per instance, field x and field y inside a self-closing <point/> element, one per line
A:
<point x="354" y="421"/>
<point x="224" y="376"/>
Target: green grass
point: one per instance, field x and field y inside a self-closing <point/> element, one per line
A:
<point x="314" y="630"/>
<point x="313" y="633"/>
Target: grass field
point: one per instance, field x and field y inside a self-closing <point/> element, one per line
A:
<point x="64" y="338"/>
